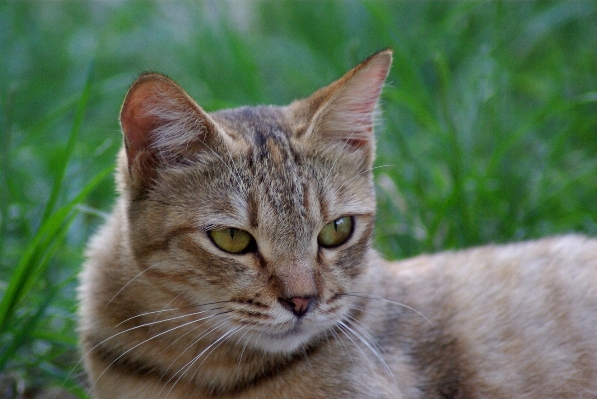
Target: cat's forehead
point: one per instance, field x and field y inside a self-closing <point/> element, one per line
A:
<point x="269" y="172"/>
<point x="267" y="155"/>
<point x="255" y="124"/>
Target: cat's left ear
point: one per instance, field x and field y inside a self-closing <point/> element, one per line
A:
<point x="163" y="127"/>
<point x="343" y="113"/>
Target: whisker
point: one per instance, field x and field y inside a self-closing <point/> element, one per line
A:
<point x="195" y="341"/>
<point x="190" y="364"/>
<point x="130" y="281"/>
<point x="145" y="341"/>
<point x="364" y="329"/>
<point x="344" y="348"/>
<point x="365" y="310"/>
<point x="242" y="352"/>
<point x="243" y="185"/>
<point x="228" y="334"/>
<point x="345" y="329"/>
<point x="158" y="314"/>
<point x="182" y="336"/>
<point x="166" y="320"/>
<point x="366" y="338"/>
<point x="367" y="295"/>
<point x="203" y="335"/>
<point x="172" y="309"/>
<point x="306" y="356"/>
<point x="137" y="327"/>
<point x="362" y="336"/>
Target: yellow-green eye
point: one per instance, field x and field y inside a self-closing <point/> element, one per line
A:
<point x="231" y="240"/>
<point x="336" y="232"/>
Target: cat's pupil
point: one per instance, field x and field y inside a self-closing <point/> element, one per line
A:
<point x="336" y="223"/>
<point x="336" y="233"/>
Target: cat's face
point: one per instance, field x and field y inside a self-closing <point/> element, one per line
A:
<point x="267" y="212"/>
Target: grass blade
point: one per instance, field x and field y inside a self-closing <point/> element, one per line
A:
<point x="29" y="268"/>
<point x="70" y="146"/>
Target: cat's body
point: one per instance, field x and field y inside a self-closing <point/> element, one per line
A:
<point x="237" y="264"/>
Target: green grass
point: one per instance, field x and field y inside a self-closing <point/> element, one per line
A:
<point x="489" y="131"/>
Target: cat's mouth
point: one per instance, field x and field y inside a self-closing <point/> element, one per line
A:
<point x="274" y="329"/>
<point x="298" y="336"/>
<point x="290" y="336"/>
<point x="298" y="328"/>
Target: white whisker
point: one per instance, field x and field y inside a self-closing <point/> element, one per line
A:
<point x="362" y="336"/>
<point x="187" y="367"/>
<point x="346" y="330"/>
<point x="364" y="309"/>
<point x="228" y="334"/>
<point x="366" y="338"/>
<point x="143" y="342"/>
<point x="306" y="355"/>
<point x="242" y="352"/>
<point x="155" y="319"/>
<point x="193" y="343"/>
<point x="343" y="345"/>
<point x="182" y="336"/>
<point x="243" y="186"/>
<point x="173" y="309"/>
<point x="137" y="327"/>
<point x="130" y="281"/>
<point x="367" y="295"/>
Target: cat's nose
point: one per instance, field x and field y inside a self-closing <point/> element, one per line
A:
<point x="298" y="305"/>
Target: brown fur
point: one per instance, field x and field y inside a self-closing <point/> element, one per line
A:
<point x="165" y="313"/>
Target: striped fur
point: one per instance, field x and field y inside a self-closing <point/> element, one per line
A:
<point x="166" y="313"/>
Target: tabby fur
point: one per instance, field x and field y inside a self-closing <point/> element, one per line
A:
<point x="165" y="313"/>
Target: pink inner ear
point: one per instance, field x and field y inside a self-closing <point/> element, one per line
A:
<point x="137" y="123"/>
<point x="351" y="113"/>
<point x="161" y="124"/>
<point x="362" y="120"/>
<point x="371" y="89"/>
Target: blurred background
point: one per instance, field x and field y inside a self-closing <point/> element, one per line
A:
<point x="489" y="130"/>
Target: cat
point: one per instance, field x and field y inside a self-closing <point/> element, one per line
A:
<point x="237" y="263"/>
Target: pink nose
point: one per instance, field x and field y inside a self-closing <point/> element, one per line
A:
<point x="297" y="305"/>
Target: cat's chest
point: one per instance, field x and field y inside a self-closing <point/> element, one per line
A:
<point x="337" y="369"/>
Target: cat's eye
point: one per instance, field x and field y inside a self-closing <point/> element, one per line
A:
<point x="336" y="233"/>
<point x="232" y="240"/>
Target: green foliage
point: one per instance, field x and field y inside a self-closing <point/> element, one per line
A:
<point x="492" y="132"/>
<point x="488" y="133"/>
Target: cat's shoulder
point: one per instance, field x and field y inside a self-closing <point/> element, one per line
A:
<point x="557" y="273"/>
<point x="565" y="252"/>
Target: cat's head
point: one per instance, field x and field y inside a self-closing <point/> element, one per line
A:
<point x="267" y="211"/>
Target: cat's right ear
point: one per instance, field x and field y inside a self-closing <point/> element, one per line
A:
<point x="162" y="125"/>
<point x="341" y="116"/>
